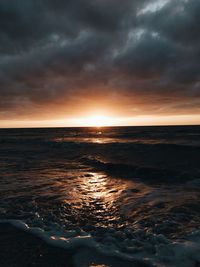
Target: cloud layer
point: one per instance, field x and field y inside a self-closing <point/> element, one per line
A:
<point x="60" y="57"/>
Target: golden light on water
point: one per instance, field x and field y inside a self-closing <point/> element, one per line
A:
<point x="100" y="187"/>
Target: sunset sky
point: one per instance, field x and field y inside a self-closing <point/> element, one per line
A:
<point x="72" y="62"/>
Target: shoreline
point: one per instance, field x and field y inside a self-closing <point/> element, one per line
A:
<point x="20" y="248"/>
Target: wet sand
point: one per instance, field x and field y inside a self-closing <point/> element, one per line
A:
<point x="21" y="249"/>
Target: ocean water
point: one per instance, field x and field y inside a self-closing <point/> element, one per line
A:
<point x="115" y="196"/>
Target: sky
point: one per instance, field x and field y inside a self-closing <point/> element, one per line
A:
<point x="69" y="62"/>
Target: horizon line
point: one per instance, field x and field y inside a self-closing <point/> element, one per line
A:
<point x="106" y="126"/>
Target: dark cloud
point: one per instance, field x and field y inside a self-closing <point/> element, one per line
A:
<point x="65" y="53"/>
<point x="177" y="20"/>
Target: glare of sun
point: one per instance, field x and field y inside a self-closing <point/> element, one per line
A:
<point x="97" y="121"/>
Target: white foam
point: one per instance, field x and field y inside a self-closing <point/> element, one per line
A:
<point x="151" y="248"/>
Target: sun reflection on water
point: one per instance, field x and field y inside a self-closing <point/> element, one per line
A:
<point x="99" y="195"/>
<point x="95" y="185"/>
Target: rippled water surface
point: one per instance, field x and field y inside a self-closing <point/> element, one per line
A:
<point x="132" y="191"/>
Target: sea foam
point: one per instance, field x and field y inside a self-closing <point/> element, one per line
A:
<point x="147" y="248"/>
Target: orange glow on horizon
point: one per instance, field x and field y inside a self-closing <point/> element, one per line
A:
<point x="95" y="121"/>
<point x="104" y="120"/>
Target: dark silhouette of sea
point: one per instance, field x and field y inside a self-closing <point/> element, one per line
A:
<point x="109" y="196"/>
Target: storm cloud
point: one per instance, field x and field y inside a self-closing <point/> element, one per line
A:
<point x="143" y="55"/>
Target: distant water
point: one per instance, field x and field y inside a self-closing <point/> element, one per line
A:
<point x="130" y="193"/>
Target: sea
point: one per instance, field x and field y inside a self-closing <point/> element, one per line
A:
<point x="115" y="196"/>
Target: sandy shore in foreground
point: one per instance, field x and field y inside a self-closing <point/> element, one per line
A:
<point x="21" y="249"/>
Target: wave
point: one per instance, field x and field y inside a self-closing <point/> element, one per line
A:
<point x="131" y="248"/>
<point x="147" y="174"/>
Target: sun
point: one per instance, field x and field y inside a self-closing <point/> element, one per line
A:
<point x="95" y="121"/>
<point x="98" y="121"/>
